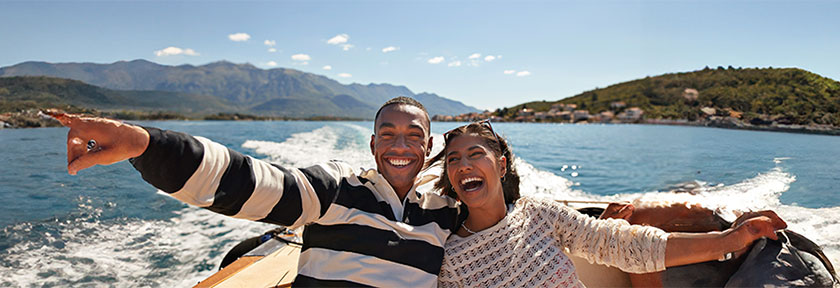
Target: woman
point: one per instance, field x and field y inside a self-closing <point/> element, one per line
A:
<point x="512" y="241"/>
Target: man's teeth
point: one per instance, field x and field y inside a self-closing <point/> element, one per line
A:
<point x="399" y="162"/>
<point x="470" y="179"/>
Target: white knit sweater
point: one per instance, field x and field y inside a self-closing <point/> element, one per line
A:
<point x="525" y="249"/>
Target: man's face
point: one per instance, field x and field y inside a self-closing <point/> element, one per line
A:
<point x="400" y="144"/>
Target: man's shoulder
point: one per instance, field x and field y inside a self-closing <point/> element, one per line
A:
<point x="431" y="200"/>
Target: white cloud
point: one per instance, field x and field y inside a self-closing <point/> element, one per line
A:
<point x="390" y="49"/>
<point x="346" y="47"/>
<point x="489" y="58"/>
<point x="508" y="72"/>
<point x="327" y="67"/>
<point x="239" y="37"/>
<point x="270" y="42"/>
<point x="301" y="57"/>
<point x="523" y="73"/>
<point x="171" y="51"/>
<point x="272" y="49"/>
<point x="454" y="64"/>
<point x="498" y="56"/>
<point x="271" y="64"/>
<point x="345" y="75"/>
<point x="475" y="56"/>
<point x="436" y="60"/>
<point x="339" y="39"/>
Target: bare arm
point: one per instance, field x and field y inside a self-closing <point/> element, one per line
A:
<point x="689" y="248"/>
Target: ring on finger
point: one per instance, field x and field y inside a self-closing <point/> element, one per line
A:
<point x="91" y="145"/>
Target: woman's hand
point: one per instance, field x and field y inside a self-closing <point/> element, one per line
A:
<point x="618" y="211"/>
<point x="752" y="226"/>
<point x="100" y="141"/>
<point x="689" y="248"/>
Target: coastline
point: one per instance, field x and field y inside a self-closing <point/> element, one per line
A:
<point x="34" y="119"/>
<point x="740" y="125"/>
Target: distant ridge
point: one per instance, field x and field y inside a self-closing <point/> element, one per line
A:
<point x="43" y="92"/>
<point x="244" y="87"/>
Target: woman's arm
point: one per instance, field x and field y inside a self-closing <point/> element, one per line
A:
<point x="689" y="248"/>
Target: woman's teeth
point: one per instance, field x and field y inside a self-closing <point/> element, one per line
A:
<point x="399" y="162"/>
<point x="470" y="179"/>
<point x="470" y="184"/>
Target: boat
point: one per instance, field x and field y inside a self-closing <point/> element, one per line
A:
<point x="273" y="263"/>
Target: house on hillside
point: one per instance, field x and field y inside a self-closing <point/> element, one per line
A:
<point x="632" y="114"/>
<point x="617" y="105"/>
<point x="708" y="111"/>
<point x="564" y="116"/>
<point x="690" y="94"/>
<point x="526" y="112"/>
<point x="580" y="115"/>
<point x="606" y="116"/>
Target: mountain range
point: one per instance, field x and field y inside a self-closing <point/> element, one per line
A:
<point x="227" y="87"/>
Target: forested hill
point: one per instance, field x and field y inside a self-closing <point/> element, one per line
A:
<point x="38" y="92"/>
<point x="274" y="92"/>
<point x="782" y="95"/>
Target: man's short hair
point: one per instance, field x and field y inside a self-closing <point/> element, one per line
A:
<point x="405" y="101"/>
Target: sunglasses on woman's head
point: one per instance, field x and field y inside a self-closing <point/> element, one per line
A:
<point x="483" y="123"/>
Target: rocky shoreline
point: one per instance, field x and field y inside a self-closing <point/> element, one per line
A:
<point x="27" y="119"/>
<point x="34" y="118"/>
<point x="734" y="123"/>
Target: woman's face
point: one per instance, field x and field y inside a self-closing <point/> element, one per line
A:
<point x="475" y="171"/>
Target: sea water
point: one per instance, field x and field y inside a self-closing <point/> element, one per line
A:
<point x="106" y="227"/>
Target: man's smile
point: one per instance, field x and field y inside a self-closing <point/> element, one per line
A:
<point x="399" y="162"/>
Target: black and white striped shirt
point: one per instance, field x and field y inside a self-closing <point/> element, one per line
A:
<point x="356" y="230"/>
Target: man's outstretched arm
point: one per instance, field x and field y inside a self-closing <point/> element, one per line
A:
<point x="204" y="173"/>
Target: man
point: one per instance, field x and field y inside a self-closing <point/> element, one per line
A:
<point x="370" y="228"/>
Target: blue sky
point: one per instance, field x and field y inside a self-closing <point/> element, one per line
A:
<point x="538" y="50"/>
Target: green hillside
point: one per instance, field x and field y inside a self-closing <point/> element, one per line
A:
<point x="784" y="95"/>
<point x="18" y="93"/>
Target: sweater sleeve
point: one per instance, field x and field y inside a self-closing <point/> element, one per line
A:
<point x="611" y="242"/>
<point x="206" y="174"/>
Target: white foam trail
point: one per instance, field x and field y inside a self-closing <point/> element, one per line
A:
<point x="159" y="253"/>
<point x="317" y="146"/>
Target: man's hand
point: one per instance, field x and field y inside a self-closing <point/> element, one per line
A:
<point x="101" y="141"/>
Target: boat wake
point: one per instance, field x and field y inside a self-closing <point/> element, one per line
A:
<point x="177" y="252"/>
